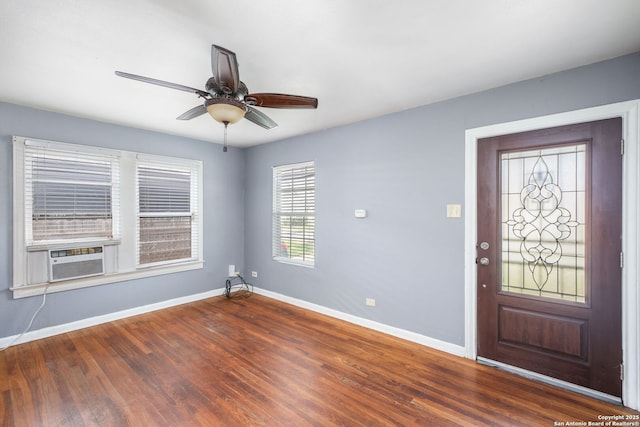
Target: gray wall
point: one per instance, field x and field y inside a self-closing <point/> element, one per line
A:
<point x="223" y="220"/>
<point x="404" y="169"/>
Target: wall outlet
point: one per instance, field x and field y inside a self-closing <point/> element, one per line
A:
<point x="232" y="270"/>
<point x="371" y="302"/>
<point x="254" y="274"/>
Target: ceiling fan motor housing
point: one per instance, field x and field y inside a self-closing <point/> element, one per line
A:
<point x="220" y="89"/>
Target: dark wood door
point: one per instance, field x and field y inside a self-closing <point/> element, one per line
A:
<point x="549" y="252"/>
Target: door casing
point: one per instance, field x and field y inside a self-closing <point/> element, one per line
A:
<point x="630" y="113"/>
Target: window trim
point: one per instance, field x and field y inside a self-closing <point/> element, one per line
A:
<point x="274" y="235"/>
<point x="107" y="279"/>
<point x="123" y="244"/>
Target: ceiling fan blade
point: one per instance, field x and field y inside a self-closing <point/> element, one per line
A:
<point x="259" y="118"/>
<point x="192" y="113"/>
<point x="224" y="66"/>
<point x="279" y="100"/>
<point x="162" y="83"/>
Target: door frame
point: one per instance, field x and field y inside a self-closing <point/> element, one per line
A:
<point x="629" y="111"/>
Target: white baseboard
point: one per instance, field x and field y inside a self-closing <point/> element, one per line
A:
<point x="456" y="350"/>
<point x="98" y="320"/>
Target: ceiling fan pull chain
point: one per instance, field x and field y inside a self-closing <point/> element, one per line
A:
<point x="224" y="147"/>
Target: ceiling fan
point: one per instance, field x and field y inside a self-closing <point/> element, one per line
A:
<point x="226" y="98"/>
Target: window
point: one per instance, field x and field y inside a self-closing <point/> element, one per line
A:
<point x="68" y="199"/>
<point x="167" y="206"/>
<point x="71" y="192"/>
<point x="294" y="217"/>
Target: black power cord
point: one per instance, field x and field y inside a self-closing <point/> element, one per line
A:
<point x="242" y="288"/>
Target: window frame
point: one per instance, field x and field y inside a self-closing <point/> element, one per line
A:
<point x="308" y="212"/>
<point x="183" y="166"/>
<point x="41" y="152"/>
<point x="119" y="248"/>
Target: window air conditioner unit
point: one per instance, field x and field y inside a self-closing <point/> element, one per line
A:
<point x="65" y="264"/>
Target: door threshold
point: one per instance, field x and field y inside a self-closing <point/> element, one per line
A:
<point x="550" y="380"/>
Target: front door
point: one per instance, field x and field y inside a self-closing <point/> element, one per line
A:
<point x="549" y="252"/>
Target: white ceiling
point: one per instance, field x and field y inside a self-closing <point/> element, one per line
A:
<point x="360" y="58"/>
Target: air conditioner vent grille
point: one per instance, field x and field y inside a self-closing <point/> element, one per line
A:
<point x="73" y="263"/>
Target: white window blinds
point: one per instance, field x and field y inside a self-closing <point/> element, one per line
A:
<point x="294" y="213"/>
<point x="71" y="192"/>
<point x="168" y="206"/>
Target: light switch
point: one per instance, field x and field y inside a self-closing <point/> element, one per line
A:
<point x="361" y="213"/>
<point x="454" y="211"/>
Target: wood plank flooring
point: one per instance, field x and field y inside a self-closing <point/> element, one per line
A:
<point x="257" y="361"/>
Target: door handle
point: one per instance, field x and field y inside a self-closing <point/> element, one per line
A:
<point x="484" y="261"/>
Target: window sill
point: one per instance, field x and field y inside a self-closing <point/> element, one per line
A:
<point x="290" y="261"/>
<point x="39" y="289"/>
<point x="71" y="244"/>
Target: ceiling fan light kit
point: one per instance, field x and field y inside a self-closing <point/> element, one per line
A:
<point x="227" y="99"/>
<point x="225" y="110"/>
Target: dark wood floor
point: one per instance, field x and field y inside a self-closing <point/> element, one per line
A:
<point x="258" y="361"/>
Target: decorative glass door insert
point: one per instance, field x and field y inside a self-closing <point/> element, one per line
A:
<point x="543" y="197"/>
